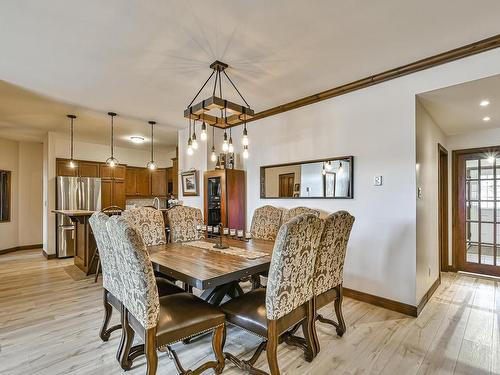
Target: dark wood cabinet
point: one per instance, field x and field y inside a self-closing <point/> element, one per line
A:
<point x="225" y="198"/>
<point x="113" y="193"/>
<point x="117" y="172"/>
<point x="131" y="181"/>
<point x="106" y="193"/>
<point x="143" y="184"/>
<point x="159" y="182"/>
<point x="63" y="169"/>
<point x="88" y="169"/>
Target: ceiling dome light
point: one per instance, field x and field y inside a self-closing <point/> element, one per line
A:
<point x="111" y="161"/>
<point x="72" y="164"/>
<point x="484" y="103"/>
<point x="137" y="139"/>
<point x="486" y="118"/>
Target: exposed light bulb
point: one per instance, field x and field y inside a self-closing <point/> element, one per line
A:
<point x="152" y="165"/>
<point x="225" y="146"/>
<point x="341" y="169"/>
<point x="230" y="147"/>
<point x="190" y="150"/>
<point x="112" y="162"/>
<point x="195" y="144"/>
<point x="323" y="172"/>
<point x="328" y="166"/>
<point x="486" y="118"/>
<point x="484" y="103"/>
<point x="245" y="152"/>
<point x="244" y="140"/>
<point x="203" y="135"/>
<point x="213" y="157"/>
<point x="72" y="164"/>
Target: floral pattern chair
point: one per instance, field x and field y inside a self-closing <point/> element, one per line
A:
<point x="266" y="222"/>
<point x="288" y="300"/>
<point x="183" y="221"/>
<point x="149" y="222"/>
<point x="296" y="211"/>
<point x="160" y="321"/>
<point x="329" y="267"/>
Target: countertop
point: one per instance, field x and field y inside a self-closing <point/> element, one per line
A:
<point x="73" y="213"/>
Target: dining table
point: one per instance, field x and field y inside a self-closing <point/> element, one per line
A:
<point x="216" y="272"/>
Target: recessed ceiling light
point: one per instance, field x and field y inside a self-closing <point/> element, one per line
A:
<point x="137" y="139"/>
<point x="486" y="119"/>
<point x="484" y="103"/>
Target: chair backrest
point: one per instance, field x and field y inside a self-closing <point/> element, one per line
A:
<point x="149" y="222"/>
<point x="290" y="280"/>
<point x="111" y="279"/>
<point x="296" y="211"/>
<point x="329" y="268"/>
<point x="266" y="222"/>
<point x="183" y="222"/>
<point x="139" y="292"/>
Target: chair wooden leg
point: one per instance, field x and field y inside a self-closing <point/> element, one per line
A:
<point x="218" y="341"/>
<point x="108" y="311"/>
<point x="338" y="311"/>
<point x="151" y="353"/>
<point x="127" y="339"/>
<point x="317" y="346"/>
<point x="272" y="347"/>
<point x="307" y="329"/>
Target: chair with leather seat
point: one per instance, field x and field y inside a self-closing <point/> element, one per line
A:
<point x="329" y="267"/>
<point x="113" y="285"/>
<point x="288" y="299"/>
<point x="296" y="211"/>
<point x="149" y="221"/>
<point x="160" y="321"/>
<point x="184" y="222"/>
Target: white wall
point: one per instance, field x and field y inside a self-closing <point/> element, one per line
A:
<point x="427" y="173"/>
<point x="24" y="160"/>
<point x="377" y="126"/>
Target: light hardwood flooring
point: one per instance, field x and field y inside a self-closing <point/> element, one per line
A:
<point x="50" y="316"/>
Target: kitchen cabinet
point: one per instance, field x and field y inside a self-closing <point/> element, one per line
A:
<point x="159" y="182"/>
<point x="175" y="177"/>
<point x="138" y="182"/>
<point x="63" y="169"/>
<point x="88" y="169"/>
<point x="113" y="193"/>
<point x="117" y="172"/>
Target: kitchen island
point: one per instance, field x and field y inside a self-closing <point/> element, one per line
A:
<point x="85" y="245"/>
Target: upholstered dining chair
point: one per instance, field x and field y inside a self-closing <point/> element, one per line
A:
<point x="113" y="286"/>
<point x="288" y="299"/>
<point x="183" y="222"/>
<point x="266" y="222"/>
<point x="329" y="267"/>
<point x="149" y="222"/>
<point x="296" y="211"/>
<point x="160" y="321"/>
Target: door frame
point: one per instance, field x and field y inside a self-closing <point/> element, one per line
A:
<point x="458" y="232"/>
<point x="443" y="229"/>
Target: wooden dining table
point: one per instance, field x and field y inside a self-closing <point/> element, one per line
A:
<point x="214" y="272"/>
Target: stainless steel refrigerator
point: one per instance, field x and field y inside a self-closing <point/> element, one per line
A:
<point x="74" y="193"/>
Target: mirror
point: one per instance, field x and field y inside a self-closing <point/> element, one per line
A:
<point x="328" y="178"/>
<point x="4" y="196"/>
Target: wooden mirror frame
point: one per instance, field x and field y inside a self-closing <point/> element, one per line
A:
<point x="349" y="158"/>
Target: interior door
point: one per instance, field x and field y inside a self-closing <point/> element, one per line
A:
<point x="477" y="216"/>
<point x="286" y="182"/>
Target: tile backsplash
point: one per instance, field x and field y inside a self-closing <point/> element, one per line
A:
<point x="140" y="202"/>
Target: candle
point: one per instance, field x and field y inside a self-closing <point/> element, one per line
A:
<point x="240" y="233"/>
<point x="204" y="228"/>
<point x="248" y="235"/>
<point x="226" y="231"/>
<point x="232" y="232"/>
<point x="209" y="228"/>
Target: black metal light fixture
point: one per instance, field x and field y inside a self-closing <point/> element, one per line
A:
<point x="204" y="111"/>
<point x="151" y="164"/>
<point x="213" y="157"/>
<point x="111" y="161"/>
<point x="72" y="163"/>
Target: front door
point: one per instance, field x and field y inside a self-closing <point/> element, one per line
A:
<point x="476" y="231"/>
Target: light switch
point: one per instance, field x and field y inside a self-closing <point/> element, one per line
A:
<point x="377" y="181"/>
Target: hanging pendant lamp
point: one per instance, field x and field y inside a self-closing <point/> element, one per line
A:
<point x="72" y="163"/>
<point x="111" y="161"/>
<point x="213" y="157"/>
<point x="152" y="165"/>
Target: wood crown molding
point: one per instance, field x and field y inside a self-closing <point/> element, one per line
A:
<point x="426" y="63"/>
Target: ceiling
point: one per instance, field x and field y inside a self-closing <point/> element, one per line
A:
<point x="147" y="59"/>
<point x="456" y="108"/>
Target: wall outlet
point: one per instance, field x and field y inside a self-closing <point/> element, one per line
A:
<point x="377" y="181"/>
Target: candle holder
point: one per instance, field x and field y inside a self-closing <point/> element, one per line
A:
<point x="220" y="245"/>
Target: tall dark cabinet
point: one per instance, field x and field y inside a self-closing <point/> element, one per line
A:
<point x="225" y="198"/>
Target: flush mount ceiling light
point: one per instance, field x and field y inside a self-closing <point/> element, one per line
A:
<point x="214" y="111"/>
<point x="151" y="164"/>
<point x="486" y="118"/>
<point x="111" y="161"/>
<point x="137" y="139"/>
<point x="72" y="162"/>
<point x="484" y="103"/>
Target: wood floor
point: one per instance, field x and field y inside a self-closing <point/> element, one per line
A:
<point x="50" y="315"/>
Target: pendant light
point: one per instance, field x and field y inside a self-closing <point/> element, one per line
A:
<point x="328" y="165"/>
<point x="203" y="135"/>
<point x="323" y="171"/>
<point x="245" y="152"/>
<point x="230" y="146"/>
<point x="225" y="145"/>
<point x="244" y="140"/>
<point x="193" y="138"/>
<point x="111" y="161"/>
<point x="213" y="157"/>
<point x="72" y="163"/>
<point x="341" y="169"/>
<point x="151" y="164"/>
<point x="190" y="143"/>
